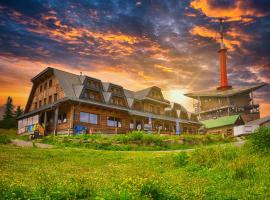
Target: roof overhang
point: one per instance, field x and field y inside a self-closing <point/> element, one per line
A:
<point x="225" y="93"/>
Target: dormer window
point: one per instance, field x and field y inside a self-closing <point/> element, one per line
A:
<point x="93" y="84"/>
<point x="92" y="95"/>
<point x="116" y="90"/>
<point x="118" y="101"/>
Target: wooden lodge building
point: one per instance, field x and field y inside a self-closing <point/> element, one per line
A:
<point x="66" y="103"/>
<point x="212" y="104"/>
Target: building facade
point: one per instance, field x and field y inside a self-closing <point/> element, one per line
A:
<point x="66" y="103"/>
<point x="215" y="103"/>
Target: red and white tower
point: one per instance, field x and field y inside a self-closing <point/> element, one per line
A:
<point x="222" y="59"/>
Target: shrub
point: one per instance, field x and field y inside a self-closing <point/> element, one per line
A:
<point x="260" y="139"/>
<point x="136" y="135"/>
<point x="181" y="159"/>
<point x="152" y="191"/>
<point x="153" y="139"/>
<point x="4" y="139"/>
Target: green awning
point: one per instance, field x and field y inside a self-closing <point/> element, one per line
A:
<point x="221" y="121"/>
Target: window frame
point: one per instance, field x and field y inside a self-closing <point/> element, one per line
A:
<point x="117" y="122"/>
<point x="61" y="115"/>
<point x="89" y="121"/>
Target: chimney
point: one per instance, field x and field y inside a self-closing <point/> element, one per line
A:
<point x="222" y="60"/>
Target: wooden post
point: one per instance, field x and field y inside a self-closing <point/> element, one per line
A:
<point x="199" y="107"/>
<point x="55" y="120"/>
<point x="163" y="127"/>
<point x="71" y="120"/>
<point x="45" y="122"/>
<point x="228" y="102"/>
<point x="134" y="124"/>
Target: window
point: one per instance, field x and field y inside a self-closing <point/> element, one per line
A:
<point x="113" y="121"/>
<point x="50" y="99"/>
<point x="88" y="118"/>
<point x="131" y="125"/>
<point x="40" y="88"/>
<point x="39" y="104"/>
<point x="62" y="117"/>
<point x="35" y="105"/>
<point x="92" y="96"/>
<point x="55" y="97"/>
<point x="45" y="101"/>
<point x="45" y="86"/>
<point x="50" y="83"/>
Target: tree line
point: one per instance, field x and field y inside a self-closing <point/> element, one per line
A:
<point x="10" y="115"/>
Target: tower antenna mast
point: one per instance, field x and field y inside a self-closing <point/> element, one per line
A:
<point x="223" y="60"/>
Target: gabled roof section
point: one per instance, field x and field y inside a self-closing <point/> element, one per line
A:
<point x="221" y="121"/>
<point x="69" y="82"/>
<point x="141" y="94"/>
<point x="178" y="106"/>
<point x="144" y="94"/>
<point x="129" y="93"/>
<point x="66" y="80"/>
<point x="225" y="93"/>
<point x="47" y="71"/>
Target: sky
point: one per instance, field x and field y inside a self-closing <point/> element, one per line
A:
<point x="172" y="44"/>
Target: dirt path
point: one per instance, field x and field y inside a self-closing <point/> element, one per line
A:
<point x="22" y="143"/>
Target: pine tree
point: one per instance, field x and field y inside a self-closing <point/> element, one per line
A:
<point x="18" y="112"/>
<point x="9" y="109"/>
<point x="9" y="120"/>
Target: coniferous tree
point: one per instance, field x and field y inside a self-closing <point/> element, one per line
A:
<point x="9" y="110"/>
<point x="9" y="120"/>
<point x="18" y="112"/>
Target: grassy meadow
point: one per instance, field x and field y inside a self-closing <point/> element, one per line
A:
<point x="210" y="172"/>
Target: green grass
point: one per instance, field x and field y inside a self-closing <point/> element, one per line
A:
<point x="7" y="134"/>
<point x="210" y="172"/>
<point x="73" y="173"/>
<point x="135" y="141"/>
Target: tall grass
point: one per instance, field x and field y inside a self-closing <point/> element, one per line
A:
<point x="221" y="172"/>
<point x="260" y="139"/>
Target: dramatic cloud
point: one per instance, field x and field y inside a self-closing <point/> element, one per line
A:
<point x="232" y="10"/>
<point x="137" y="44"/>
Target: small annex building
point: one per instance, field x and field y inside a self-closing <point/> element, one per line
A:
<point x="265" y="121"/>
<point x="251" y="126"/>
<point x="223" y="125"/>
